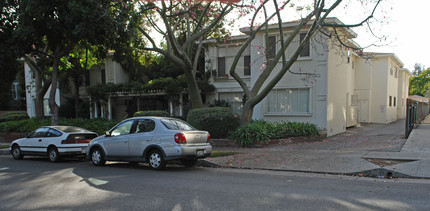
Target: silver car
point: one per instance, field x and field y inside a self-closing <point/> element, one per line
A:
<point x="54" y="142"/>
<point x="154" y="140"/>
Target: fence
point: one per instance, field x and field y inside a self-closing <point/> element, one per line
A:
<point x="416" y="111"/>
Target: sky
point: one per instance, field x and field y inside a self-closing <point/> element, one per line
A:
<point x="403" y="24"/>
<point x="407" y="31"/>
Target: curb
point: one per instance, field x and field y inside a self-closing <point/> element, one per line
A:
<point x="380" y="173"/>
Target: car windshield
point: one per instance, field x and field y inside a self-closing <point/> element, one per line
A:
<point x="176" y="124"/>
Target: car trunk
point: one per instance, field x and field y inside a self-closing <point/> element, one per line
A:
<point x="196" y="137"/>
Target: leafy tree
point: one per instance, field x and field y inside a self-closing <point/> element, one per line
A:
<point x="75" y="67"/>
<point x="313" y="22"/>
<point x="420" y="84"/>
<point x="62" y="24"/>
<point x="9" y="65"/>
<point x="182" y="25"/>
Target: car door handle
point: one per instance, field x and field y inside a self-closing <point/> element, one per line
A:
<point x="40" y="140"/>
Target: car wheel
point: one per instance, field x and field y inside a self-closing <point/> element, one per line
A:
<point x="53" y="154"/>
<point x="17" y="153"/>
<point x="97" y="157"/>
<point x="156" y="160"/>
<point x="189" y="162"/>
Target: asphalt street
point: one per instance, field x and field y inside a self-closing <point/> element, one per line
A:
<point x="37" y="184"/>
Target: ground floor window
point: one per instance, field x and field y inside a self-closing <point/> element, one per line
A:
<point x="234" y="99"/>
<point x="295" y="101"/>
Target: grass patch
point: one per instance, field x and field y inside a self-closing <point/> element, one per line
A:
<point x="3" y="146"/>
<point x="221" y="154"/>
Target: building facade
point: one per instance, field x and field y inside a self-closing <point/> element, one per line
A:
<point x="340" y="88"/>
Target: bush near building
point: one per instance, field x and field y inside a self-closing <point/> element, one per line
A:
<point x="218" y="121"/>
<point x="260" y="132"/>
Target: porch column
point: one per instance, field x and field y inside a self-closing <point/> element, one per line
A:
<point x="109" y="108"/>
<point x="96" y="110"/>
<point x="180" y="105"/>
<point x="91" y="109"/>
<point x="170" y="107"/>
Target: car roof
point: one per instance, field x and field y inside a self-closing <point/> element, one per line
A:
<point x="71" y="129"/>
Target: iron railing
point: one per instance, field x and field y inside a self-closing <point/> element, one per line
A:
<point x="416" y="111"/>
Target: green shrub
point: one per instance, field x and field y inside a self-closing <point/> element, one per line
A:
<point x="261" y="131"/>
<point x="13" y="116"/>
<point x="289" y="129"/>
<point x="218" y="121"/>
<point x="255" y="132"/>
<point x="152" y="113"/>
<point x="23" y="126"/>
<point x="100" y="126"/>
<point x="27" y="125"/>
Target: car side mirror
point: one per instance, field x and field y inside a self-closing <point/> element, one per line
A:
<point x="107" y="134"/>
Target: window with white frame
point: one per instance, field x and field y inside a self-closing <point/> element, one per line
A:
<point x="234" y="99"/>
<point x="221" y="67"/>
<point x="271" y="47"/>
<point x="247" y="65"/>
<point x="295" y="101"/>
<point x="306" y="51"/>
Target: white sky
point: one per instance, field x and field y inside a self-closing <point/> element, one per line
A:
<point x="404" y="23"/>
<point x="408" y="31"/>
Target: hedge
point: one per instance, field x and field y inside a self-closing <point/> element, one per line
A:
<point x="219" y="121"/>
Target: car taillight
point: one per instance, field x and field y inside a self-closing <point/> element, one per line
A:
<point x="209" y="138"/>
<point x="180" y="138"/>
<point x="79" y="141"/>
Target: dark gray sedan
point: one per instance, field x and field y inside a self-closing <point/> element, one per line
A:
<point x="154" y="140"/>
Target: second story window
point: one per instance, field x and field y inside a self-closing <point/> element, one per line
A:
<point x="247" y="65"/>
<point x="271" y="47"/>
<point x="221" y="67"/>
<point x="306" y="51"/>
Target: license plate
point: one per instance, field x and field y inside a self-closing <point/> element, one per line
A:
<point x="200" y="153"/>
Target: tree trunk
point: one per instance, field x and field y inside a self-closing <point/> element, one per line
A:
<point x="39" y="94"/>
<point x="193" y="90"/>
<point x="247" y="112"/>
<point x="52" y="104"/>
<point x="76" y="95"/>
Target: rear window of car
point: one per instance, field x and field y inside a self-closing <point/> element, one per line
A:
<point x="81" y="136"/>
<point x="176" y="124"/>
<point x="72" y="129"/>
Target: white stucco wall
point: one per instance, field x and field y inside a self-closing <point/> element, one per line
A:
<point x="403" y="92"/>
<point x="31" y="94"/>
<point x="316" y="65"/>
<point x="379" y="92"/>
<point x="340" y="87"/>
<point x="114" y="72"/>
<point x="363" y="86"/>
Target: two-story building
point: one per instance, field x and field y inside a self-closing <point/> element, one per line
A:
<point x="329" y="85"/>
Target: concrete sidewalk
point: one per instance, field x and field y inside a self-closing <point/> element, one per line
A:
<point x="373" y="150"/>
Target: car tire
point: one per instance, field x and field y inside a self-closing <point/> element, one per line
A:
<point x="16" y="152"/>
<point x="53" y="154"/>
<point x="189" y="162"/>
<point x="156" y="160"/>
<point x="97" y="157"/>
